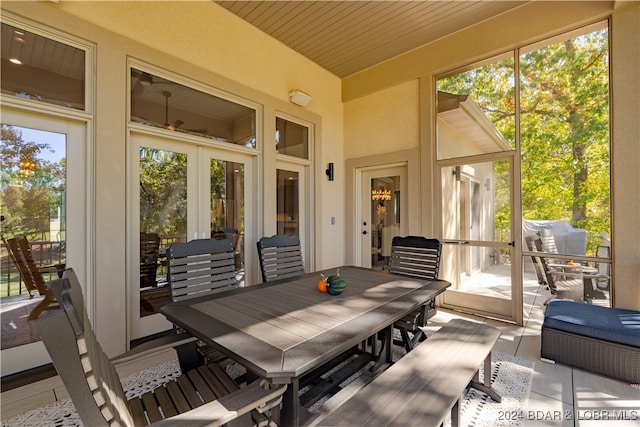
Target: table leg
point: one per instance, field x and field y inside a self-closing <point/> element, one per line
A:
<point x="385" y="350"/>
<point x="455" y="414"/>
<point x="292" y="413"/>
<point x="485" y="387"/>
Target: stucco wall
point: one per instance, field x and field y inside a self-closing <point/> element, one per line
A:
<point x="389" y="118"/>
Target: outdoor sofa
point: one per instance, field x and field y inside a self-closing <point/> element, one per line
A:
<point x="595" y="338"/>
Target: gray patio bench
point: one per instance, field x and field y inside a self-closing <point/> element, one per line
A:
<point x="427" y="384"/>
<point x="599" y="339"/>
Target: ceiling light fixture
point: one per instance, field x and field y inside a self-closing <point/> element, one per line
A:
<point x="15" y="61"/>
<point x="18" y="36"/>
<point x="146" y="79"/>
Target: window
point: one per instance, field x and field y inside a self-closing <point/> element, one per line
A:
<point x="39" y="68"/>
<point x="292" y="138"/>
<point x="160" y="102"/>
<point x="564" y="121"/>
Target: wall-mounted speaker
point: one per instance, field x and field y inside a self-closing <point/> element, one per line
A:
<point x="300" y="98"/>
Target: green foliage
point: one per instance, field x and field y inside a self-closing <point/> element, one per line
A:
<point x="564" y="128"/>
<point x="163" y="192"/>
<point x="32" y="187"/>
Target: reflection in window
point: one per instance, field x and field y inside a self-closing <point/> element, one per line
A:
<point x="163" y="220"/>
<point x="292" y="139"/>
<point x="159" y="102"/>
<point x="33" y="168"/>
<point x="35" y="67"/>
<point x="227" y="207"/>
<point x="288" y="203"/>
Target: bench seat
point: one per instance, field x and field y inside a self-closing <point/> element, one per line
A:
<point x="598" y="339"/>
<point x="426" y="385"/>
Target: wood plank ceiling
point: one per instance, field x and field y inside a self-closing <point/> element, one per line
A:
<point x="346" y="37"/>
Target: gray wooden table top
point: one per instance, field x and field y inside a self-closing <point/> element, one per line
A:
<point x="284" y="329"/>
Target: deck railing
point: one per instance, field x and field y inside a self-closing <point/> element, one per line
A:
<point x="44" y="252"/>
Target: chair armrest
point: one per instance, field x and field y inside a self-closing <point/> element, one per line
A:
<point x="258" y="395"/>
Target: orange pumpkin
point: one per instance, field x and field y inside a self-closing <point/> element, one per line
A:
<point x="322" y="284"/>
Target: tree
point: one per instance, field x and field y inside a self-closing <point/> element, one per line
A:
<point x="163" y="192"/>
<point x="31" y="186"/>
<point x="564" y="126"/>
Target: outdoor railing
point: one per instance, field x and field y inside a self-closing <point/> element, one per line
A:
<point x="44" y="253"/>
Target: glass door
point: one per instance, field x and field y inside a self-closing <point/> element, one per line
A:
<point x="42" y="197"/>
<point x="478" y="250"/>
<point x="180" y="192"/>
<point x="382" y="210"/>
<point x="225" y="179"/>
<point x="293" y="212"/>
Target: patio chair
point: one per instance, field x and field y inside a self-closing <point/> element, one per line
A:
<point x="198" y="268"/>
<point x="31" y="274"/>
<point x="419" y="257"/>
<point x="564" y="281"/>
<point x="200" y="397"/>
<point x="280" y="257"/>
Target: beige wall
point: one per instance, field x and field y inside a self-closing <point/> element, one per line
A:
<point x="373" y="92"/>
<point x="625" y="66"/>
<point x="205" y="43"/>
<point x="388" y="118"/>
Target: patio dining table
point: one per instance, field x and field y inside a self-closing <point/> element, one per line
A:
<point x="282" y="330"/>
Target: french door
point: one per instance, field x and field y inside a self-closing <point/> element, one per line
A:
<point x="44" y="169"/>
<point x="478" y="255"/>
<point x="180" y="192"/>
<point x="381" y="211"/>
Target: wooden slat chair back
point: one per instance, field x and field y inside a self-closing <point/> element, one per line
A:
<point x="198" y="397"/>
<point x="31" y="274"/>
<point x="415" y="256"/>
<point x="280" y="257"/>
<point x="540" y="264"/>
<point x="200" y="267"/>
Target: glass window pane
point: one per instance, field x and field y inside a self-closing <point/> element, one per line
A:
<point x="35" y="67"/>
<point x="159" y="102"/>
<point x="32" y="203"/>
<point x="227" y="207"/>
<point x="385" y="218"/>
<point x="476" y="111"/>
<point x="288" y="203"/>
<point x="565" y="141"/>
<point x="292" y="139"/>
<point x="163" y="220"/>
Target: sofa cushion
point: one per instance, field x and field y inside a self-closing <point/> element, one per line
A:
<point x="609" y="324"/>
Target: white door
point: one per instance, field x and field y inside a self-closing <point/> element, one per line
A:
<point x="180" y="192"/>
<point x="44" y="168"/>
<point x="381" y="212"/>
